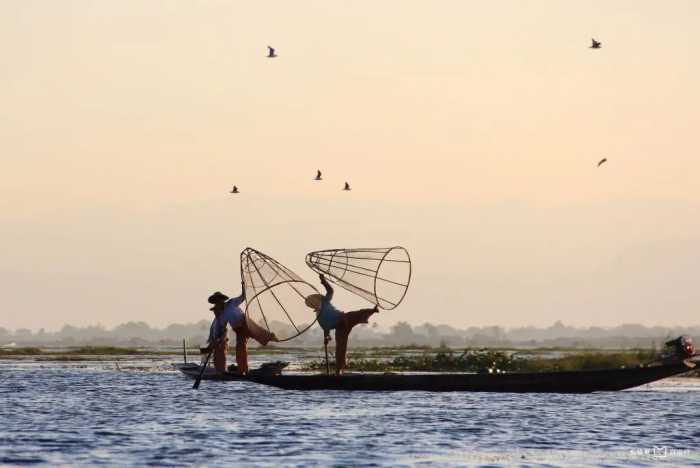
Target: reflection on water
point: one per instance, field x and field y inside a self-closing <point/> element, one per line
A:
<point x="78" y="413"/>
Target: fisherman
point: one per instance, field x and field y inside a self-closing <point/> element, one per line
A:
<point x="227" y="312"/>
<point x="330" y="318"/>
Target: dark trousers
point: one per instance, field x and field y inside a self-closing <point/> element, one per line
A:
<point x="347" y="321"/>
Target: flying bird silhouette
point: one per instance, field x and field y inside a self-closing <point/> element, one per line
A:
<point x="318" y="175"/>
<point x="234" y="190"/>
<point x="347" y="186"/>
<point x="604" y="160"/>
<point x="271" y="52"/>
<point x="595" y="44"/>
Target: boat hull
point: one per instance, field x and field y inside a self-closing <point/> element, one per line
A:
<point x="541" y="382"/>
<point x="192" y="371"/>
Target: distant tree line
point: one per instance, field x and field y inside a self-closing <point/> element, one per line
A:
<point x="401" y="334"/>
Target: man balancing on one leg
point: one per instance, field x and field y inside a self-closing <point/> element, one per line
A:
<point x="330" y="318"/>
<point x="227" y="312"/>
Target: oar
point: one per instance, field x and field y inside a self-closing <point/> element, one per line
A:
<point x="204" y="367"/>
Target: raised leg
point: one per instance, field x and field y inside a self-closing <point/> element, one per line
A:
<point x="356" y="317"/>
<point x="342" y="333"/>
<point x="258" y="333"/>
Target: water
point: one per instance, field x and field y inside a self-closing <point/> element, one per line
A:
<point x="90" y="413"/>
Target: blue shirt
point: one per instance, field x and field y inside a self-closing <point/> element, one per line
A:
<point x="328" y="316"/>
<point x="232" y="315"/>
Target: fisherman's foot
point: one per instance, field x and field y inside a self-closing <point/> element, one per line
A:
<point x="371" y="313"/>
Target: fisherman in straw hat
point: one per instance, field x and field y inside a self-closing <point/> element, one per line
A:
<point x="227" y="312"/>
<point x="330" y="318"/>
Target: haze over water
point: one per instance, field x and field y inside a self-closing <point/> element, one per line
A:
<point x="469" y="132"/>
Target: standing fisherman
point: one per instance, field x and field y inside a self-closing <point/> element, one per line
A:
<point x="227" y="312"/>
<point x="330" y="318"/>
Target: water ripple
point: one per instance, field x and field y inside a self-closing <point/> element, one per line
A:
<point x="68" y="414"/>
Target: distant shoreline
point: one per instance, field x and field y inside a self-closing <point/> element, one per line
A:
<point x="141" y="335"/>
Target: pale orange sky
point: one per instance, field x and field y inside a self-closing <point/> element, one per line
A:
<point x="468" y="130"/>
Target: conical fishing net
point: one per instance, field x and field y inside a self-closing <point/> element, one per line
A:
<point x="275" y="295"/>
<point x="380" y="275"/>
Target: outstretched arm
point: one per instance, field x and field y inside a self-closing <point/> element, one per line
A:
<point x="326" y="284"/>
<point x="239" y="300"/>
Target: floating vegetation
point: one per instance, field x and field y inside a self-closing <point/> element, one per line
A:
<point x="390" y="359"/>
<point x="485" y="360"/>
<point x="106" y="350"/>
<point x="587" y="361"/>
<point x="20" y="352"/>
<point x="471" y="360"/>
<point x="82" y="351"/>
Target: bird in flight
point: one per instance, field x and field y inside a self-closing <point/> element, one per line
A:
<point x="318" y="175"/>
<point x="234" y="190"/>
<point x="604" y="160"/>
<point x="271" y="52"/>
<point x="595" y="44"/>
<point x="347" y="186"/>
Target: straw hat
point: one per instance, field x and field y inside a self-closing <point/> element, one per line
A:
<point x="314" y="301"/>
<point x="217" y="298"/>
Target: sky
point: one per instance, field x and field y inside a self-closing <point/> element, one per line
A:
<point x="469" y="131"/>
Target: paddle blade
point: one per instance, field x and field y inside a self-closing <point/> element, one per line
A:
<point x="198" y="380"/>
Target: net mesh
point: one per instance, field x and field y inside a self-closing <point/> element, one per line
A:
<point x="380" y="275"/>
<point x="275" y="295"/>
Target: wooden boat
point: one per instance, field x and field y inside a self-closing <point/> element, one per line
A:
<point x="516" y="382"/>
<point x="192" y="370"/>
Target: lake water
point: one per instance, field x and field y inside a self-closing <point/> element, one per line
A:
<point x="89" y="413"/>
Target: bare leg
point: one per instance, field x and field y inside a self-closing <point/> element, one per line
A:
<point x="342" y="333"/>
<point x="358" y="316"/>
<point x="242" y="350"/>
<point x="341" y="347"/>
<point x="220" y="356"/>
<point x="258" y="333"/>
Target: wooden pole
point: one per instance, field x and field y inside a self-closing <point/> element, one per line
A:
<point x="325" y="346"/>
<point x="184" y="350"/>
